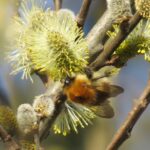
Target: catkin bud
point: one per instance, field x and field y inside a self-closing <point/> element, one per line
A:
<point x="8" y="120"/>
<point x="66" y="12"/>
<point x="27" y="145"/>
<point x="44" y="106"/>
<point x="27" y="119"/>
<point x="119" y="7"/>
<point x="143" y="7"/>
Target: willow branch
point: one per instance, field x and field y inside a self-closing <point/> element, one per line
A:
<point x="114" y="61"/>
<point x="8" y="140"/>
<point x="98" y="32"/>
<point x="58" y="99"/>
<point x="37" y="142"/>
<point x="114" y="10"/>
<point x="125" y="130"/>
<point x="83" y="12"/>
<point x="95" y="52"/>
<point x="111" y="45"/>
<point x="57" y="4"/>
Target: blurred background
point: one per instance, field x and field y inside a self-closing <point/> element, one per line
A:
<point x="132" y="78"/>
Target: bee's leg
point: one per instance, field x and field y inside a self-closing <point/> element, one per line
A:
<point x="88" y="72"/>
<point x="101" y="97"/>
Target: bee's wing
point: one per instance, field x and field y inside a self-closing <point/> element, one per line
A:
<point x="103" y="110"/>
<point x="115" y="90"/>
<point x="109" y="89"/>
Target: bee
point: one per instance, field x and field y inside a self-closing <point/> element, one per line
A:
<point x="92" y="92"/>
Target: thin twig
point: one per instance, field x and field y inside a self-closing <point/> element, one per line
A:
<point x="10" y="142"/>
<point x="37" y="141"/>
<point x="125" y="130"/>
<point x="113" y="61"/>
<point x="81" y="16"/>
<point x="110" y="46"/>
<point x="57" y="4"/>
<point x="95" y="52"/>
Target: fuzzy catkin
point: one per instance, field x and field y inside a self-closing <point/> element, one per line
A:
<point x="47" y="42"/>
<point x="27" y="145"/>
<point x="143" y="7"/>
<point x="44" y="106"/>
<point x="27" y="119"/>
<point x="8" y="119"/>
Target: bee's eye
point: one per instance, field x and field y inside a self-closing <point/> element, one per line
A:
<point x="68" y="81"/>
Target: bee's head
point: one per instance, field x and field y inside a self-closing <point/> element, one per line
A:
<point x="68" y="80"/>
<point x="87" y="75"/>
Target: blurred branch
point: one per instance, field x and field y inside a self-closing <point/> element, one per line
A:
<point x="57" y="4"/>
<point x="11" y="144"/>
<point x="125" y="130"/>
<point x="4" y="100"/>
<point x="110" y="46"/>
<point x="81" y="16"/>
